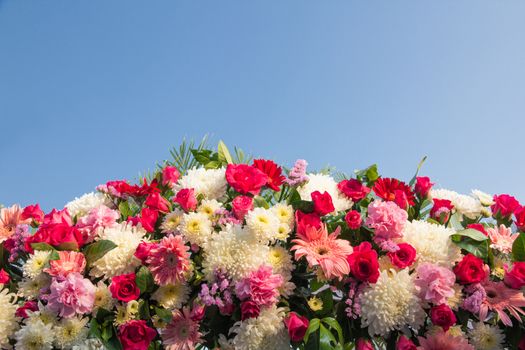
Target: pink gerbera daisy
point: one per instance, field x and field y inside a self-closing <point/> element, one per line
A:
<point x="67" y="263"/>
<point x="501" y="238"/>
<point x="9" y="219"/>
<point x="500" y="298"/>
<point x="182" y="333"/>
<point x="444" y="341"/>
<point x="169" y="261"/>
<point x="324" y="250"/>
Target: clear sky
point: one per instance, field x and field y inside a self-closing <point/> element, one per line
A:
<point x="98" y="90"/>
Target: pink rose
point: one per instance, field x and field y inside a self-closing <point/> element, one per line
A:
<point x="245" y="179"/>
<point x="304" y="220"/>
<point x="364" y="344"/>
<point x="241" y="205"/>
<point x="30" y="305"/>
<point x="143" y="251"/>
<point x="515" y="277"/>
<point x="403" y="343"/>
<point x="520" y="218"/>
<point x="34" y="213"/>
<point x="441" y="210"/>
<point x="249" y="309"/>
<point x="423" y="186"/>
<point x="186" y="199"/>
<point x="297" y="326"/>
<point x="170" y="175"/>
<point x="353" y="189"/>
<point x="353" y="219"/>
<point x="148" y="219"/>
<point x="504" y="205"/>
<point x="156" y="201"/>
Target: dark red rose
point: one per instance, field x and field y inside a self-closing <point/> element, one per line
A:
<point x="30" y="305"/>
<point x="441" y="210"/>
<point x="403" y="343"/>
<point x="504" y="205"/>
<point x="322" y="203"/>
<point x="353" y="189"/>
<point x="136" y="335"/>
<point x="33" y="212"/>
<point x="394" y="190"/>
<point x="443" y="316"/>
<point x="297" y="326"/>
<point x="249" y="309"/>
<point x="363" y="263"/>
<point x="478" y="227"/>
<point x="470" y="270"/>
<point x="272" y="171"/>
<point x="304" y="220"/>
<point x="124" y="287"/>
<point x="521" y="344"/>
<point x="423" y="186"/>
<point x="363" y="344"/>
<point x="515" y="277"/>
<point x="245" y="179"/>
<point x="148" y="219"/>
<point x="404" y="256"/>
<point x="143" y="250"/>
<point x="241" y="205"/>
<point x="353" y="219"/>
<point x="186" y="199"/>
<point x="170" y="175"/>
<point x="156" y="201"/>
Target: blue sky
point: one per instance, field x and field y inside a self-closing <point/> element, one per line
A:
<point x="98" y="90"/>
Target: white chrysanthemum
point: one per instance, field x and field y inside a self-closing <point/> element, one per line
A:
<point x="35" y="336"/>
<point x="283" y="232"/>
<point x="324" y="183"/>
<point x="36" y="263"/>
<point x="284" y="213"/>
<point x="235" y="251"/>
<point x="263" y="223"/>
<point x="30" y="287"/>
<point x="485" y="199"/>
<point x="81" y="206"/>
<point x="267" y="331"/>
<point x="432" y="243"/>
<point x="171" y="221"/>
<point x="209" y="207"/>
<point x="43" y="314"/>
<point x="210" y="183"/>
<point x="70" y="332"/>
<point x="119" y="260"/>
<point x="486" y="337"/>
<point x="8" y="321"/>
<point x="172" y="296"/>
<point x="90" y="344"/>
<point x="281" y="261"/>
<point x="103" y="298"/>
<point x="391" y="304"/>
<point x="463" y="204"/>
<point x="196" y="228"/>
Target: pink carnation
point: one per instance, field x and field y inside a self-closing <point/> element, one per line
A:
<point x="434" y="283"/>
<point x="261" y="287"/>
<point x="101" y="216"/>
<point x="71" y="295"/>
<point x="67" y="263"/>
<point x="388" y="221"/>
<point x="443" y="341"/>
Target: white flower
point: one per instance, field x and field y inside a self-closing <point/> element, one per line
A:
<point x="36" y="263"/>
<point x="196" y="228"/>
<point x="43" y="314"/>
<point x="70" y="332"/>
<point x="263" y="223"/>
<point x="209" y="207"/>
<point x="171" y="221"/>
<point x="391" y="304"/>
<point x="210" y="183"/>
<point x="235" y="251"/>
<point x="284" y="213"/>
<point x="484" y="198"/>
<point x="485" y="337"/>
<point x="267" y="331"/>
<point x="35" y="336"/>
<point x="432" y="243"/>
<point x="281" y="261"/>
<point x="103" y="297"/>
<point x="324" y="183"/>
<point x="121" y="259"/>
<point x="172" y="296"/>
<point x="30" y="287"/>
<point x="465" y="205"/>
<point x="81" y="206"/>
<point x="8" y="321"/>
<point x="90" y="344"/>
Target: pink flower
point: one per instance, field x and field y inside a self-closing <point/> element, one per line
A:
<point x="187" y="199"/>
<point x="326" y="251"/>
<point x="68" y="262"/>
<point x="501" y="238"/>
<point x="241" y="205"/>
<point x="423" y="186"/>
<point x="99" y="217"/>
<point x="169" y="260"/>
<point x="170" y="175"/>
<point x="296" y="325"/>
<point x="34" y="213"/>
<point x="182" y="333"/>
<point x="71" y="295"/>
<point x="515" y="278"/>
<point x="298" y="173"/>
<point x="245" y="179"/>
<point x="434" y="283"/>
<point x="387" y="219"/>
<point x="260" y="287"/>
<point x="500" y="298"/>
<point x="30" y="305"/>
<point x="4" y="277"/>
<point x="443" y="341"/>
<point x="403" y="343"/>
<point x="9" y="219"/>
<point x="504" y="205"/>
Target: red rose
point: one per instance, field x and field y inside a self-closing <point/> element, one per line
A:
<point x="156" y="201"/>
<point x="504" y="205"/>
<point x="441" y="210"/>
<point x="443" y="316"/>
<point x="353" y="219"/>
<point x="470" y="270"/>
<point x="322" y="203"/>
<point x="273" y="172"/>
<point x="249" y="309"/>
<point x="520" y="218"/>
<point x="241" y="205"/>
<point x="363" y="344"/>
<point x="197" y="313"/>
<point x="124" y="287"/>
<point x="515" y="278"/>
<point x="363" y="263"/>
<point x="143" y="251"/>
<point x="30" y="305"/>
<point x="404" y="256"/>
<point x="304" y="220"/>
<point x="403" y="343"/>
<point x="297" y="326"/>
<point x="4" y="277"/>
<point x="245" y="179"/>
<point x="423" y="186"/>
<point x="59" y="235"/>
<point x="58" y="217"/>
<point x="186" y="199"/>
<point x="33" y="212"/>
<point x="478" y="227"/>
<point x="136" y="335"/>
<point x="353" y="189"/>
<point x="170" y="175"/>
<point x="148" y="219"/>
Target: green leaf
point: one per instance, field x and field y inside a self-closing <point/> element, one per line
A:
<point x="471" y="233"/>
<point x="97" y="250"/>
<point x="260" y="202"/>
<point x="328" y="300"/>
<point x="144" y="280"/>
<point x="326" y="338"/>
<point x="518" y="248"/>
<point x="413" y="180"/>
<point x="125" y="210"/>
<point x="334" y="325"/>
<point x="144" y="310"/>
<point x="313" y="326"/>
<point x="42" y="246"/>
<point x="304" y="206"/>
<point x="473" y="242"/>
<point x="164" y="314"/>
<point x="224" y="154"/>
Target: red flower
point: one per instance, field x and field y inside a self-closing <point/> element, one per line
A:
<point x="241" y="205"/>
<point x="478" y="227"/>
<point x="322" y="203"/>
<point x="353" y="219"/>
<point x="148" y="219"/>
<point x="504" y="205"/>
<point x="186" y="199"/>
<point x="249" y="309"/>
<point x="520" y="218"/>
<point x="515" y="278"/>
<point x="423" y="186"/>
<point x="33" y="212"/>
<point x="272" y="171"/>
<point x="521" y="344"/>
<point x="297" y="326"/>
<point x="30" y="305"/>
<point x="143" y="251"/>
<point x="124" y="287"/>
<point x="443" y="316"/>
<point x="4" y="277"/>
<point x="245" y="179"/>
<point x="156" y="201"/>
<point x="470" y="270"/>
<point x="353" y="189"/>
<point x="393" y="190"/>
<point x="304" y="220"/>
<point x="403" y="343"/>
<point x="441" y="210"/>
<point x="170" y="175"/>
<point x="363" y="263"/>
<point x="363" y="344"/>
<point x="404" y="256"/>
<point x="60" y="235"/>
<point x="136" y="335"/>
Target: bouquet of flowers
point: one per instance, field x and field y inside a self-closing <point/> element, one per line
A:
<point x="219" y="251"/>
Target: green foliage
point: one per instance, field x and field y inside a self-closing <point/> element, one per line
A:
<point x="368" y="175"/>
<point x="473" y="242"/>
<point x="421" y="162"/>
<point x="97" y="250"/>
<point x="518" y="248"/>
<point x="182" y="157"/>
<point x="144" y="280"/>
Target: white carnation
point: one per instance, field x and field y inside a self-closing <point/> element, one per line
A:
<point x="324" y="183"/>
<point x="263" y="223"/>
<point x="463" y="204"/>
<point x="196" y="228"/>
<point x="81" y="206"/>
<point x="210" y="183"/>
<point x="485" y="199"/>
<point x="8" y="321"/>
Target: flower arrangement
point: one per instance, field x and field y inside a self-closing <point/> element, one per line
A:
<point x="214" y="251"/>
